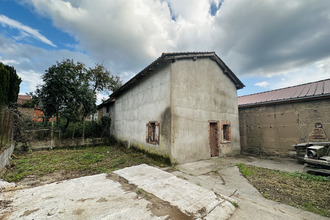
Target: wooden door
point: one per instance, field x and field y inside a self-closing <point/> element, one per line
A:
<point x="214" y="139"/>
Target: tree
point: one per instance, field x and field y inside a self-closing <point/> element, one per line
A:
<point x="9" y="84"/>
<point x="101" y="80"/>
<point x="4" y="84"/>
<point x="64" y="91"/>
<point x="14" y="83"/>
<point x="69" y="89"/>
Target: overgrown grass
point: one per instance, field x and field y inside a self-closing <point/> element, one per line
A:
<point x="302" y="190"/>
<point x="70" y="163"/>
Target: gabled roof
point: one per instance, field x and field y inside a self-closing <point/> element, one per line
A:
<point x="170" y="58"/>
<point x="312" y="90"/>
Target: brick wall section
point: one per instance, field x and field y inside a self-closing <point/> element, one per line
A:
<point x="273" y="129"/>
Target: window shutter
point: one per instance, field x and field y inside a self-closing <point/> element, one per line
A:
<point x="157" y="133"/>
<point x="147" y="132"/>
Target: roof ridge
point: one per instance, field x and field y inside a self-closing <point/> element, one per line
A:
<point x="283" y="88"/>
<point x="196" y="52"/>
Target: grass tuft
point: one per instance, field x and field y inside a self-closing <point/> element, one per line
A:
<point x="71" y="163"/>
<point x="300" y="190"/>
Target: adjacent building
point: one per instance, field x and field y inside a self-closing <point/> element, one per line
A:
<point x="271" y="122"/>
<point x="182" y="106"/>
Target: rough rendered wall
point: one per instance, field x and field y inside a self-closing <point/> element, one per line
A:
<point x="274" y="129"/>
<point x="200" y="93"/>
<point x="149" y="100"/>
<point x="27" y="112"/>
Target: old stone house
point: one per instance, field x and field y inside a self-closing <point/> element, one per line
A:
<point x="34" y="114"/>
<point x="182" y="106"/>
<point x="271" y="122"/>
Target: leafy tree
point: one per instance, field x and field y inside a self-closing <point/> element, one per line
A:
<point x="101" y="79"/>
<point x="69" y="89"/>
<point x="64" y="90"/>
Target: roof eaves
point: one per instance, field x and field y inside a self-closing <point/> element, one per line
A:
<point x="143" y="73"/>
<point x="280" y="101"/>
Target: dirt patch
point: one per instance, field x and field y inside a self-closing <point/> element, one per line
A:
<point x="102" y="200"/>
<point x="78" y="211"/>
<point x="157" y="206"/>
<point x="300" y="190"/>
<point x="5" y="203"/>
<point x="28" y="212"/>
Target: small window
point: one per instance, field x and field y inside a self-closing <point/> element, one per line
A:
<point x="226" y="131"/>
<point x="152" y="135"/>
<point x="108" y="109"/>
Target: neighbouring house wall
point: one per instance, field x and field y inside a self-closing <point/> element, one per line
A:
<point x="149" y="100"/>
<point x="201" y="92"/>
<point x="275" y="128"/>
<point x="26" y="112"/>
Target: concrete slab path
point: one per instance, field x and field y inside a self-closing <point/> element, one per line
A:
<point x="192" y="199"/>
<point x="116" y="196"/>
<point x="228" y="181"/>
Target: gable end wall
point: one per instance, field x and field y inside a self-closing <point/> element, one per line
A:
<point x="201" y="92"/>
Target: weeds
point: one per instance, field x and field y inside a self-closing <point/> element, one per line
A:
<point x="74" y="162"/>
<point x="300" y="190"/>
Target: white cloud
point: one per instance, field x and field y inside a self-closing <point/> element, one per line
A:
<point x="262" y="84"/>
<point x="318" y="71"/>
<point x="264" y="38"/>
<point x="31" y="62"/>
<point x="8" y="62"/>
<point x="26" y="31"/>
<point x="30" y="78"/>
<point x="267" y="39"/>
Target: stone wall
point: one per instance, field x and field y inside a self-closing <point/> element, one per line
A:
<point x="273" y="129"/>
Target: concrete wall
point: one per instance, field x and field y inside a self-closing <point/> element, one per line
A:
<point x="149" y="100"/>
<point x="5" y="156"/>
<point x="201" y="92"/>
<point x="274" y="129"/>
<point x="58" y="143"/>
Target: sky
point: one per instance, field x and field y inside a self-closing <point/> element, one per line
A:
<point x="268" y="44"/>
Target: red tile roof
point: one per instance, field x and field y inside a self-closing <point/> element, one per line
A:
<point x="304" y="91"/>
<point x="21" y="99"/>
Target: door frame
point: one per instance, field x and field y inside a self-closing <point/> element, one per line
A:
<point x="218" y="136"/>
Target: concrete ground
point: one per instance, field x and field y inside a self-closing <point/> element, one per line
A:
<point x="188" y="191"/>
<point x="229" y="182"/>
<point x="138" y="192"/>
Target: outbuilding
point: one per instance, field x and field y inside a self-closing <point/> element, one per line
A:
<point x="271" y="122"/>
<point x="182" y="106"/>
